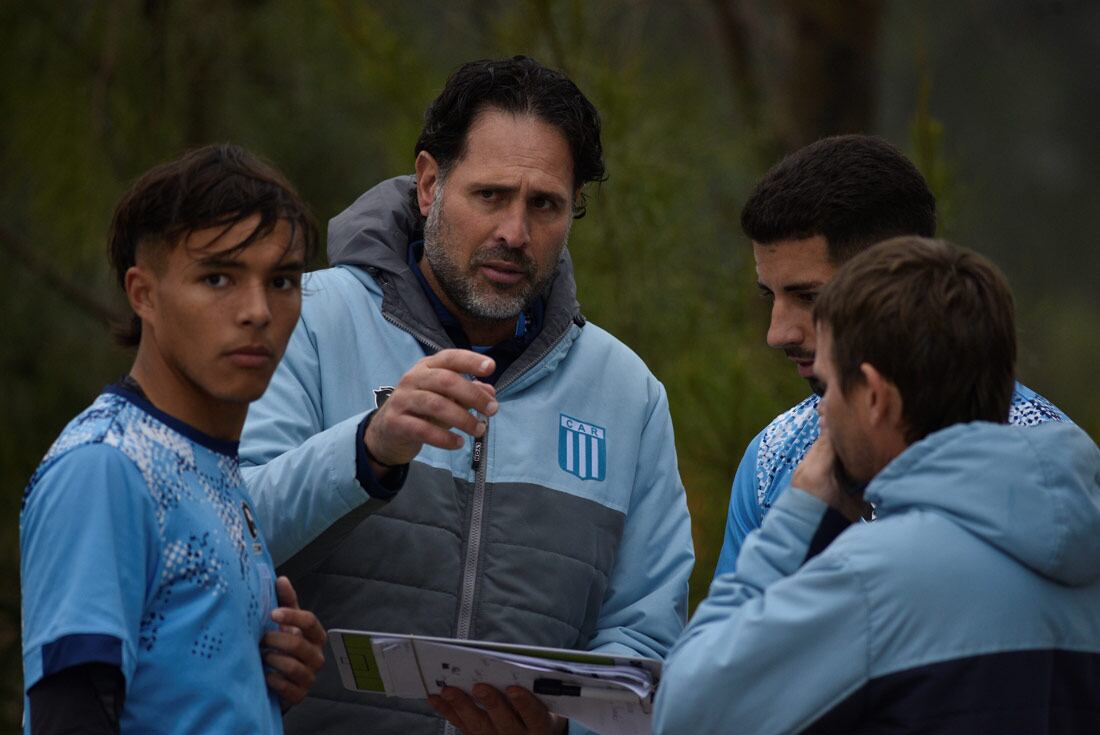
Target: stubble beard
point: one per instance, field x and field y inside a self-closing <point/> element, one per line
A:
<point x="474" y="296"/>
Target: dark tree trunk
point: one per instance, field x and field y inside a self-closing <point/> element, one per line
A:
<point x="802" y="69"/>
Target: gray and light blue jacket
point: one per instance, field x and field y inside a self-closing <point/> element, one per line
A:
<point x="567" y="525"/>
<point x="772" y="455"/>
<point x="971" y="605"/>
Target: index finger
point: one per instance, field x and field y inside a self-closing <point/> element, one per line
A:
<point x="471" y="718"/>
<point x="462" y="361"/>
<point x="303" y="620"/>
<point x="505" y="719"/>
<point x="531" y="710"/>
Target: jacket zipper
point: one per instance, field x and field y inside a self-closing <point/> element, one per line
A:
<point x="416" y="335"/>
<point x="473" y="541"/>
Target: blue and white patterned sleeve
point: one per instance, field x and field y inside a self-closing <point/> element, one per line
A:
<point x="89" y="546"/>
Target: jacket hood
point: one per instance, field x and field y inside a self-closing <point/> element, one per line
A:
<point x="375" y="231"/>
<point x="374" y="234"/>
<point x="1032" y="492"/>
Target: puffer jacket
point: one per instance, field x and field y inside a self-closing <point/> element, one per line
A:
<point x="565" y="525"/>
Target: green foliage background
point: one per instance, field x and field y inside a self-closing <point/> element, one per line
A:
<point x="333" y="92"/>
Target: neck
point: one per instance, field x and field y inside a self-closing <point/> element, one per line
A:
<point x="486" y="333"/>
<point x="481" y="332"/>
<point x="175" y="394"/>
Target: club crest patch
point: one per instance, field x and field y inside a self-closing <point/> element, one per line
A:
<point x="382" y="394"/>
<point x="250" y="521"/>
<point x="582" y="448"/>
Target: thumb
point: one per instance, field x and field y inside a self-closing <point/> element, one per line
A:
<point x="285" y="593"/>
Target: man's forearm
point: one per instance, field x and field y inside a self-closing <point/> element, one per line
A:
<point x="771" y="623"/>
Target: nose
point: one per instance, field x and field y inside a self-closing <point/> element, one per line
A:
<point x="513" y="230"/>
<point x="785" y="328"/>
<point x="254" y="309"/>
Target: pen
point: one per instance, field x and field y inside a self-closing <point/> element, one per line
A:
<point x="559" y="688"/>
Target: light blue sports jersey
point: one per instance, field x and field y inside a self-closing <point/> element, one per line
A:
<point x="771" y="457"/>
<point x="139" y="549"/>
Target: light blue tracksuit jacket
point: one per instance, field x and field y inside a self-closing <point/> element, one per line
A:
<point x="772" y="456"/>
<point x="970" y="605"/>
<point x="569" y="529"/>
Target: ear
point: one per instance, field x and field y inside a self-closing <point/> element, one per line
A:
<point x="882" y="399"/>
<point x="427" y="178"/>
<point x="139" y="284"/>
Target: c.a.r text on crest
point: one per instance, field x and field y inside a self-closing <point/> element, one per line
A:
<point x="582" y="448"/>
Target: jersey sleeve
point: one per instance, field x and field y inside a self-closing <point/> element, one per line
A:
<point x="89" y="545"/>
<point x="745" y="514"/>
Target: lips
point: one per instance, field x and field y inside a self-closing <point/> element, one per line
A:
<point x="503" y="272"/>
<point x="804" y="363"/>
<point x="251" y="356"/>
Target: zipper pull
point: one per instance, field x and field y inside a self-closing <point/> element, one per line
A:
<point x="479" y="446"/>
<point x="479" y="442"/>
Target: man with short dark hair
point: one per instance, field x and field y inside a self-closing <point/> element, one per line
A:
<point x="149" y="596"/>
<point x="969" y="604"/>
<point x="810" y="213"/>
<point x="446" y="352"/>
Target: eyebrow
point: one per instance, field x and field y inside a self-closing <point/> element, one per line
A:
<point x="794" y="287"/>
<point x="221" y="261"/>
<point x="298" y="264"/>
<point x="552" y="195"/>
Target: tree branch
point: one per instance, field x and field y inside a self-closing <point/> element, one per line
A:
<point x="553" y="37"/>
<point x="735" y="32"/>
<point x="85" y="301"/>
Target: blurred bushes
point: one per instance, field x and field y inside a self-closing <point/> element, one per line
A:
<point x="333" y="93"/>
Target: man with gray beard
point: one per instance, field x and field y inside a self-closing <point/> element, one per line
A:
<point x="444" y="355"/>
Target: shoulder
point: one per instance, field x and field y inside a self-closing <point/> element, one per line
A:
<point x="116" y="432"/>
<point x="1028" y="408"/>
<point x="335" y="285"/>
<point x="597" y="344"/>
<point x="333" y="295"/>
<point x="784" y="442"/>
<point x="95" y="424"/>
<point x="801" y="417"/>
<point x="599" y="356"/>
<point x="86" y="477"/>
<point x="91" y="436"/>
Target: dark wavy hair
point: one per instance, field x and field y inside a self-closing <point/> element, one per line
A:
<point x="211" y="186"/>
<point x="522" y="86"/>
<point x="855" y="190"/>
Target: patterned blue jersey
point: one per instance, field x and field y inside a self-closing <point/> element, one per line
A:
<point x="139" y="550"/>
<point x="772" y="455"/>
